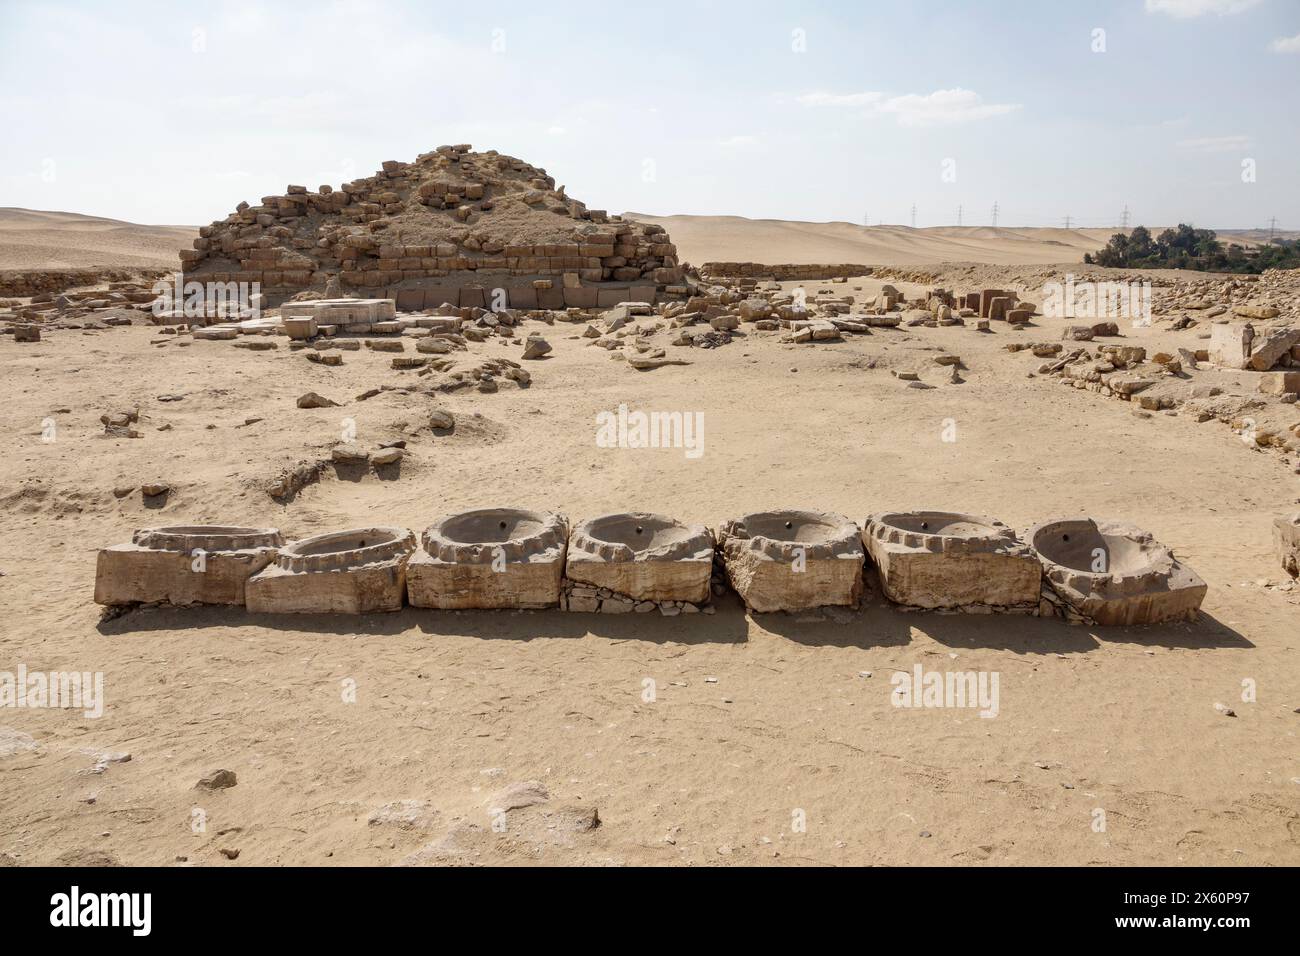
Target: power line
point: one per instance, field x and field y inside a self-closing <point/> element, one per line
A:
<point x="995" y="214"/>
<point x="913" y="215"/>
<point x="959" y="215"/>
<point x="1123" y="219"/>
<point x="1067" y="222"/>
<point x="1272" y="228"/>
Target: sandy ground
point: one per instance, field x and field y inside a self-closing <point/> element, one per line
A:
<point x="757" y="723"/>
<point x="32" y="239"/>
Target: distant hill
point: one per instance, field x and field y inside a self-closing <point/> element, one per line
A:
<point x="34" y="239"/>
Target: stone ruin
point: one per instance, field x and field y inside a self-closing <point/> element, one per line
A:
<point x="423" y="231"/>
<point x="490" y="558"/>
<point x="634" y="561"/>
<point x="184" y="565"/>
<point x="793" y="560"/>
<point x="359" y="571"/>
<point x="1083" y="570"/>
<point x="1080" y="569"/>
<point x="940" y="559"/>
<point x="1113" y="573"/>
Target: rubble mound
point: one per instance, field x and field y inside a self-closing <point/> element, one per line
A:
<point x="451" y="211"/>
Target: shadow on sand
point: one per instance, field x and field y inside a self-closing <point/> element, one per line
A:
<point x="874" y="625"/>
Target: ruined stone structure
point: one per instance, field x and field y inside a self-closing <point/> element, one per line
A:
<point x="359" y="571"/>
<point x="1094" y="572"/>
<point x="420" y="232"/>
<point x="941" y="559"/>
<point x="490" y="558"/>
<point x="200" y="564"/>
<point x="793" y="560"/>
<point x="1114" y="573"/>
<point x="638" y="562"/>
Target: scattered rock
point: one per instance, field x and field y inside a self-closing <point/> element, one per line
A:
<point x="217" y="780"/>
<point x="314" y="400"/>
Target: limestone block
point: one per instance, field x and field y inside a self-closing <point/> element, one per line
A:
<point x="646" y="557"/>
<point x="939" y="559"/>
<point x="300" y="328"/>
<point x="1228" y="345"/>
<point x="200" y="564"/>
<point x="358" y="571"/>
<point x="490" y="558"/>
<point x="1279" y="383"/>
<point x="1271" y="346"/>
<point x="1115" y="573"/>
<point x="793" y="560"/>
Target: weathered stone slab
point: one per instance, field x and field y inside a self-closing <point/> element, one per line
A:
<point x="1115" y="573"/>
<point x="490" y="558"/>
<point x="1271" y="346"/>
<point x="359" y="571"/>
<point x="200" y="564"/>
<point x="793" y="560"/>
<point x="939" y="559"/>
<point x="645" y="557"/>
<point x="1228" y="345"/>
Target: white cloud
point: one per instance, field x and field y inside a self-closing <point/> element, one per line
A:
<point x="944" y="108"/>
<point x="1286" y="44"/>
<point x="940" y="108"/>
<point x="1187" y="9"/>
<point x="1215" y="144"/>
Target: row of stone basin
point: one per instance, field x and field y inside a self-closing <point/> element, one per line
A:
<point x="1106" y="572"/>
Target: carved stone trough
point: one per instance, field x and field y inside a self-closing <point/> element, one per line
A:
<point x="490" y="558"/>
<point x="358" y="571"/>
<point x="636" y="558"/>
<point x="194" y="564"/>
<point x="1286" y="538"/>
<point x="1114" y="573"/>
<point x="943" y="559"/>
<point x="793" y="560"/>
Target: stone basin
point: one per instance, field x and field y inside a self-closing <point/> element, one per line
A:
<point x="1115" y="573"/>
<point x="946" y="559"/>
<point x="184" y="564"/>
<point x="357" y="571"/>
<point x="641" y="556"/>
<point x="793" y="560"/>
<point x="490" y="558"/>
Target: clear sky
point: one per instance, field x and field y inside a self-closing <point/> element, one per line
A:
<point x="173" y="112"/>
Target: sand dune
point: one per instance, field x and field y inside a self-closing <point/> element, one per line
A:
<point x="702" y="239"/>
<point x="733" y="238"/>
<point x="34" y="239"/>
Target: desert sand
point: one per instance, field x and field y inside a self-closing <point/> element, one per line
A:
<point x="759" y="721"/>
<point x="703" y="239"/>
<point x="33" y="239"/>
